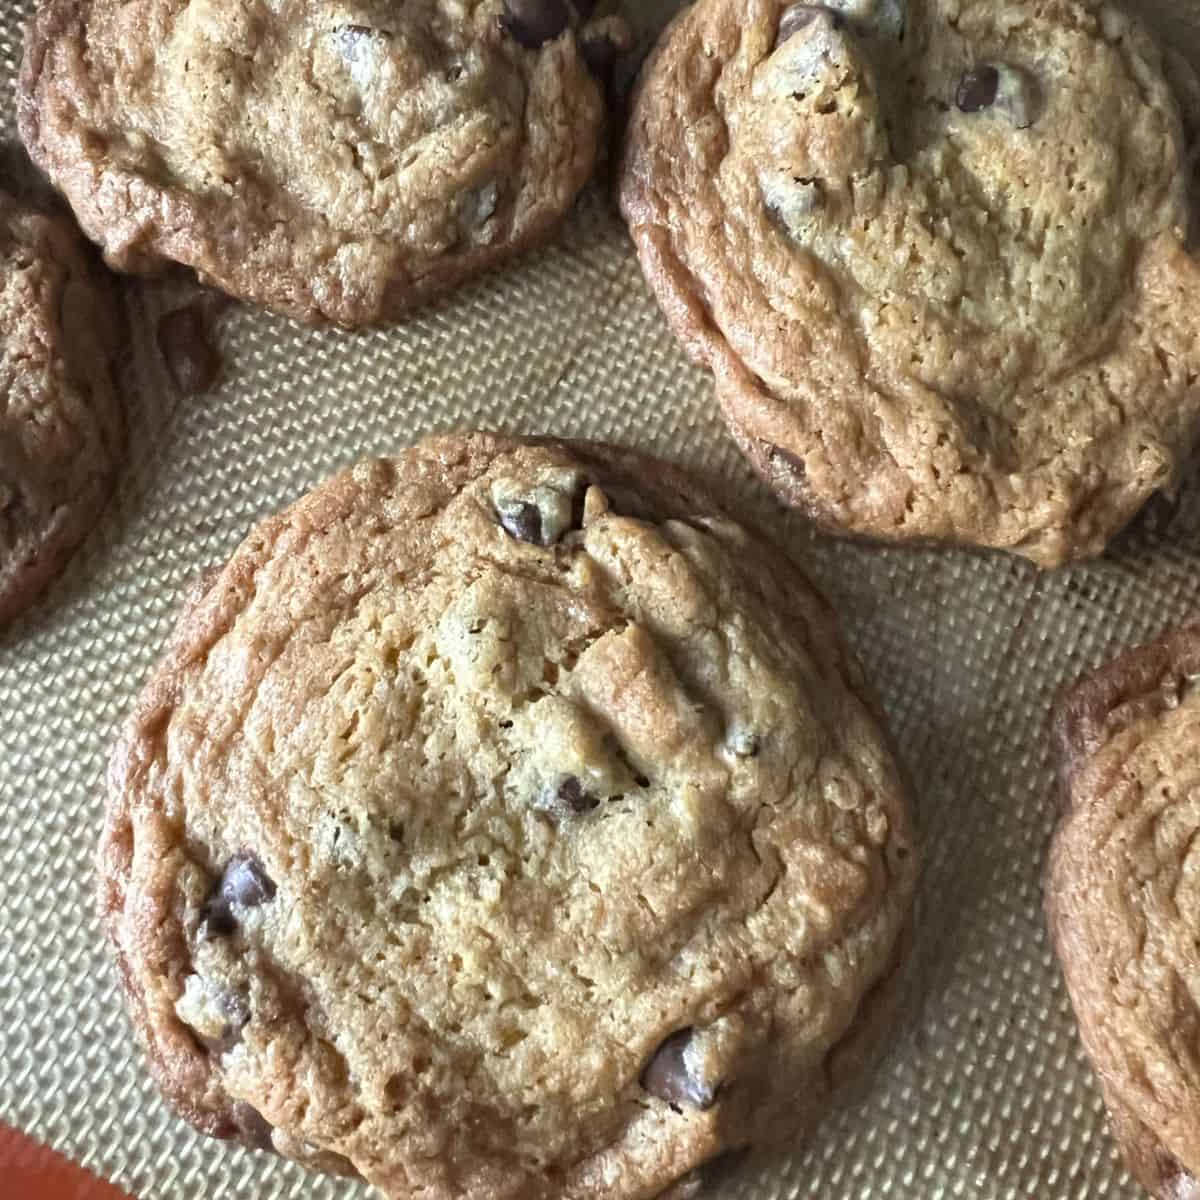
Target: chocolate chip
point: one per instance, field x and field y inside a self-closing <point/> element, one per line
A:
<point x="245" y="883"/>
<point x="1011" y="91"/>
<point x="522" y="521"/>
<point x="350" y="40"/>
<point x="667" y="1076"/>
<point x="1178" y="1182"/>
<point x="480" y="204"/>
<point x="687" y="1187"/>
<point x="800" y="16"/>
<point x="568" y="798"/>
<point x="236" y="1014"/>
<point x="183" y="341"/>
<point x="217" y="920"/>
<point x="253" y="1128"/>
<point x="793" y="464"/>
<point x="600" y="53"/>
<point x="533" y="23"/>
<point x="694" y="1182"/>
<point x="744" y="744"/>
<point x="978" y="89"/>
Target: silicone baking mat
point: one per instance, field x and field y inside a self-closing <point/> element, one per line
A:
<point x="983" y="1092"/>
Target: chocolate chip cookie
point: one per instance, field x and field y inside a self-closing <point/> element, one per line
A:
<point x="61" y="421"/>
<point x="506" y="822"/>
<point x="1123" y="898"/>
<point x="336" y="162"/>
<point x="934" y="253"/>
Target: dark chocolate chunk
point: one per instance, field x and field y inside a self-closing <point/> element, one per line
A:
<point x="792" y="462"/>
<point x="522" y="521"/>
<point x="601" y="54"/>
<point x="1178" y="1182"/>
<point x="217" y="919"/>
<point x="236" y="1014"/>
<point x="744" y="744"/>
<point x="688" y="1186"/>
<point x="567" y="798"/>
<point x="252" y="1126"/>
<point x="800" y="16"/>
<point x="695" y="1182"/>
<point x="978" y="89"/>
<point x="183" y="341"/>
<point x="1010" y="91"/>
<point x="667" y="1076"/>
<point x="245" y="883"/>
<point x="533" y="23"/>
<point x="353" y="40"/>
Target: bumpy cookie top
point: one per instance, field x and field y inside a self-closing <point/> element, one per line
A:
<point x="933" y="251"/>
<point x="333" y="161"/>
<point x="61" y="423"/>
<point x="503" y="822"/>
<point x="1123" y="898"/>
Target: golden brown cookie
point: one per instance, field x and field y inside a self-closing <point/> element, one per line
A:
<point x="1123" y="898"/>
<point x="336" y="162"/>
<point x="62" y="425"/>
<point x="506" y="822"/>
<point x="933" y="252"/>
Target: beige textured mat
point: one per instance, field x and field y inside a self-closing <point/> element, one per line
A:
<point x="984" y="1092"/>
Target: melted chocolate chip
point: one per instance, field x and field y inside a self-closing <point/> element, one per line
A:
<point x="800" y="16"/>
<point x="236" y="1012"/>
<point x="350" y="40"/>
<point x="217" y="919"/>
<point x="533" y="23"/>
<point x="601" y="54"/>
<point x="687" y="1187"/>
<point x="522" y="521"/>
<point x="1179" y="1183"/>
<point x="978" y="89"/>
<point x="183" y="341"/>
<point x="245" y="883"/>
<point x="667" y="1077"/>
<point x="567" y="799"/>
<point x="744" y="744"/>
<point x="793" y="464"/>
<point x="253" y="1128"/>
<point x="694" y="1182"/>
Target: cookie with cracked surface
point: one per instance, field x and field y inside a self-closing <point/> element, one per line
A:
<point x="505" y="821"/>
<point x="1122" y="899"/>
<point x="934" y="253"/>
<point x="335" y="162"/>
<point x="61" y="420"/>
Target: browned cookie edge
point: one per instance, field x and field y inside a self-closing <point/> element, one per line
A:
<point x="91" y="332"/>
<point x="1137" y="685"/>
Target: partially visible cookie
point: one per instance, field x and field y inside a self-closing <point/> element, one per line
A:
<point x="934" y="253"/>
<point x="61" y="421"/>
<point x="506" y="822"/>
<point x="1122" y="896"/>
<point x="336" y="162"/>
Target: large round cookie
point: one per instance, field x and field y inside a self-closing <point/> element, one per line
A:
<point x="933" y="253"/>
<point x="335" y="162"/>
<point x="61" y="422"/>
<point x="1123" y="899"/>
<point x="504" y="822"/>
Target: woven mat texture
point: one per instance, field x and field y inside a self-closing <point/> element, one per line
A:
<point x="983" y="1093"/>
